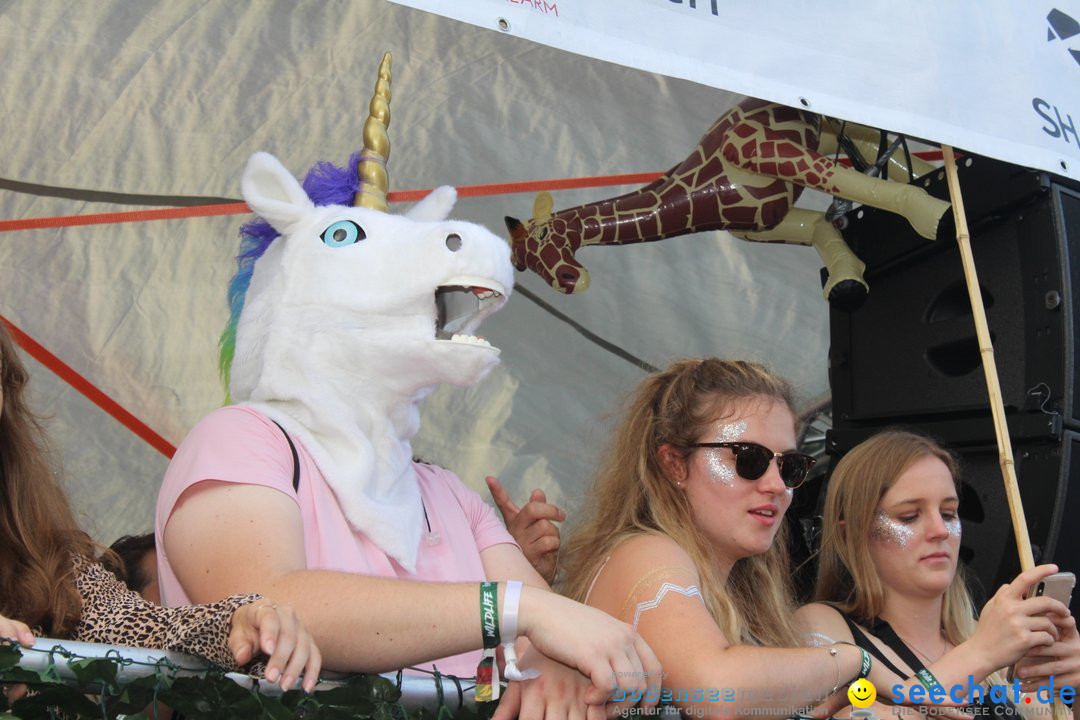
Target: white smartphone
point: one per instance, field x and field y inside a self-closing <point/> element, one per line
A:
<point x="1058" y="586"/>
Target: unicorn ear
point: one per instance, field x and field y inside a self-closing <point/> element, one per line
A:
<point x="272" y="192"/>
<point x="435" y="207"/>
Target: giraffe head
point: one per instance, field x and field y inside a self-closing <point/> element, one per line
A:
<point x="544" y="246"/>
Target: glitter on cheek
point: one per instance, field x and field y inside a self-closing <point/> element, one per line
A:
<point x="953" y="528"/>
<point x="719" y="468"/>
<point x="892" y="531"/>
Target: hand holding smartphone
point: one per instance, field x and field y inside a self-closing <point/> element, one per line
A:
<point x="1058" y="586"/>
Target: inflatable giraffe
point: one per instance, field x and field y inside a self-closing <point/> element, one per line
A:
<point x="744" y="176"/>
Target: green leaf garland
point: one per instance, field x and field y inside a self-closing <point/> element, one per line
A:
<point x="211" y="696"/>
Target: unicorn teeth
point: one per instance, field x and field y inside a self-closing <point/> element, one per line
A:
<point x="470" y="340"/>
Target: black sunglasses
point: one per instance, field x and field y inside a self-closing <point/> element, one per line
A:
<point x="752" y="460"/>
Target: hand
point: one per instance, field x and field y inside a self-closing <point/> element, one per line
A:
<point x="609" y="653"/>
<point x="532" y="527"/>
<point x="1061" y="660"/>
<point x="17" y="631"/>
<point x="1010" y="626"/>
<point x="262" y="626"/>
<point x="559" y="692"/>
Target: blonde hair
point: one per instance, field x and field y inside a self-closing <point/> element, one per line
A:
<point x="632" y="495"/>
<point x="847" y="578"/>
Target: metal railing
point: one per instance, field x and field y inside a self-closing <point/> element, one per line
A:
<point x="417" y="689"/>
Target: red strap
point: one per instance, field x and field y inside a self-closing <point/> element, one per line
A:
<point x="68" y="374"/>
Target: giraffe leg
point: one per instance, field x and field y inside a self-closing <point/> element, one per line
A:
<point x="845" y="288"/>
<point x="867" y="140"/>
<point x="776" y="155"/>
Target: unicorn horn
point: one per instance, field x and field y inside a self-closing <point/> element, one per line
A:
<point x="374" y="183"/>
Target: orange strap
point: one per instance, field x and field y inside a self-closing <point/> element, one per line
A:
<point x="68" y="374"/>
<point x="240" y="208"/>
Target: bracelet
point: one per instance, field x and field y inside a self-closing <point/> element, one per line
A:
<point x="833" y="652"/>
<point x="864" y="662"/>
<point x="487" y="672"/>
<point x="511" y="603"/>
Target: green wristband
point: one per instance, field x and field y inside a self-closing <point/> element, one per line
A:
<point x="927" y="679"/>
<point x="489" y="614"/>
<point x="864" y="660"/>
<point x="864" y="668"/>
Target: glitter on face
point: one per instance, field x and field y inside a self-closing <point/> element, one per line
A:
<point x="953" y="528"/>
<point x="732" y="431"/>
<point x="893" y="531"/>
<point x="720" y="468"/>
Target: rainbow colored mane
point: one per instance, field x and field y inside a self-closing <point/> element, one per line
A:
<point x="325" y="184"/>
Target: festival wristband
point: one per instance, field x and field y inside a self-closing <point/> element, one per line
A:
<point x="487" y="672"/>
<point x="927" y="679"/>
<point x="864" y="668"/>
<point x="511" y="601"/>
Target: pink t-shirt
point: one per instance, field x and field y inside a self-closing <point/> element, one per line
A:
<point x="238" y="444"/>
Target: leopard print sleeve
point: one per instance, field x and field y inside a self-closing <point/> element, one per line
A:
<point x="114" y="615"/>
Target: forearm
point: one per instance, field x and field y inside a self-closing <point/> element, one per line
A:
<point x="372" y="624"/>
<point x="960" y="668"/>
<point x="772" y="681"/>
<point x="960" y="665"/>
<point x="113" y="614"/>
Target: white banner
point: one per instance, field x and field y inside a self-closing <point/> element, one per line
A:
<point x="999" y="78"/>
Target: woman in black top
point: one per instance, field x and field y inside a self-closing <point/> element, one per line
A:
<point x="889" y="581"/>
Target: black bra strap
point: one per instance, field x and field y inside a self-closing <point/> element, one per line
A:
<point x="295" y="458"/>
<point x="866" y="644"/>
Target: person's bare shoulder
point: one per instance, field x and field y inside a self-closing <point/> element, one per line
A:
<point x="822" y="624"/>
<point x="639" y="565"/>
<point x="651" y="551"/>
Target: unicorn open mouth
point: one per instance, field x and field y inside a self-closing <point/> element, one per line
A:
<point x="459" y="309"/>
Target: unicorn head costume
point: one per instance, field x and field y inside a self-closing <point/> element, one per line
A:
<point x="345" y="317"/>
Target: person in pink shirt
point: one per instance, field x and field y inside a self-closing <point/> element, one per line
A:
<point x="344" y="319"/>
<point x="237" y="448"/>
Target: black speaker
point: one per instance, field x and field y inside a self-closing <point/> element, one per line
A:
<point x="911" y="350"/>
<point x="910" y="356"/>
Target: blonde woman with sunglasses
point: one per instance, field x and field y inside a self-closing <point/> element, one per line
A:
<point x="684" y="539"/>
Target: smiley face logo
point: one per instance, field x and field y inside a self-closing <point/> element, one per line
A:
<point x="862" y="693"/>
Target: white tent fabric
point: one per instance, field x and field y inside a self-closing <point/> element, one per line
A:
<point x="170" y="99"/>
<point x="999" y="78"/>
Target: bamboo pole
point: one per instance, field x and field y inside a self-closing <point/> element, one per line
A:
<point x="986" y="352"/>
<point x="993" y="387"/>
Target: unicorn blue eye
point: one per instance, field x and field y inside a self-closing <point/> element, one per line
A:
<point x="342" y="233"/>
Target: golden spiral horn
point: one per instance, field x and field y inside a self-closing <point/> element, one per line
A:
<point x="374" y="182"/>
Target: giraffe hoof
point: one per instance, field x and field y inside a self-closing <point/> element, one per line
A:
<point x="847" y="295"/>
<point x="946" y="229"/>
